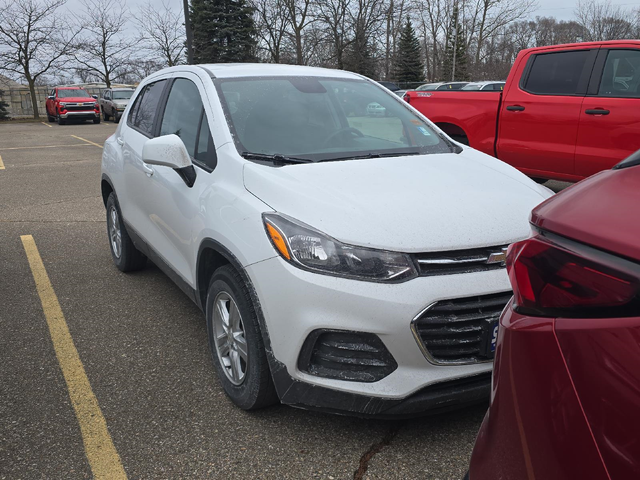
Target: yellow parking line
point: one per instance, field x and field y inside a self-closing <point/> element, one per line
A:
<point x="46" y="146"/>
<point x="46" y="124"/>
<point x="1" y="164"/>
<point x="103" y="458"/>
<point x="88" y="141"/>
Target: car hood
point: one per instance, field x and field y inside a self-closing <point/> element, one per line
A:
<point x="78" y="100"/>
<point x="416" y="203"/>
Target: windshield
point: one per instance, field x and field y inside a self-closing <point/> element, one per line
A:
<point x="74" y="92"/>
<point x="122" y="94"/>
<point x="318" y="119"/>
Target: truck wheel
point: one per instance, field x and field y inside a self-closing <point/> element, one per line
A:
<point x="50" y="118"/>
<point x="117" y="118"/>
<point x="96" y="120"/>
<point x="104" y="115"/>
<point x="236" y="342"/>
<point x="61" y="121"/>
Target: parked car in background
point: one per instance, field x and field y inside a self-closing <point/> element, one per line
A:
<point x="446" y="86"/>
<point x="389" y="85"/>
<point x="65" y="103"/>
<point x="567" y="369"/>
<point x="486" y="86"/>
<point x="400" y="93"/>
<point x="567" y="111"/>
<point x="343" y="262"/>
<point x="428" y="87"/>
<point x="374" y="109"/>
<point x="114" y="101"/>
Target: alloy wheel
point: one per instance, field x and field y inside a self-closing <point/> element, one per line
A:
<point x="115" y="234"/>
<point x="230" y="340"/>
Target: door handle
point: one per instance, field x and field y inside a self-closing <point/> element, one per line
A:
<point x="597" y="111"/>
<point x="120" y="141"/>
<point x="147" y="169"/>
<point x="515" y="108"/>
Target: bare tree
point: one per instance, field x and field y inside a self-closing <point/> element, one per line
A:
<point x="333" y="19"/>
<point x="30" y="40"/>
<point x="272" y="22"/>
<point x="103" y="50"/>
<point x="603" y="21"/>
<point x="299" y="17"/>
<point x="163" y="32"/>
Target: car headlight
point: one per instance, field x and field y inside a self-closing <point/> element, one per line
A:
<point x="310" y="249"/>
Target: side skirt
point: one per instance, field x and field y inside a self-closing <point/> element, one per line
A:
<point x="152" y="255"/>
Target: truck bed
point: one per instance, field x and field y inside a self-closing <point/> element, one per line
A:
<point x="469" y="117"/>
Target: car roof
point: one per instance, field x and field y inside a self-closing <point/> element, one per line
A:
<point x="70" y="88"/>
<point x="486" y="82"/>
<point x="232" y="70"/>
<point x="128" y="89"/>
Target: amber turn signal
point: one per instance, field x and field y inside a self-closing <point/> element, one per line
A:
<point x="278" y="241"/>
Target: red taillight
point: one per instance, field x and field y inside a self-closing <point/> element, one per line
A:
<point x="406" y="98"/>
<point x="571" y="280"/>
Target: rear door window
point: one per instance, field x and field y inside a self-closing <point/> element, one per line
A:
<point x="144" y="111"/>
<point x="621" y="74"/>
<point x="557" y="73"/>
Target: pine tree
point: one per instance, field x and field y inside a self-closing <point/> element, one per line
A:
<point x="223" y="31"/>
<point x="4" y="112"/>
<point x="409" y="65"/>
<point x="455" y="41"/>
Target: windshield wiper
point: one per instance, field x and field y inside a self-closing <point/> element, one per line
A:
<point x="370" y="155"/>
<point x="275" y="158"/>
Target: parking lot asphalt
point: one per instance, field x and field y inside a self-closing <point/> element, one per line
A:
<point x="142" y="345"/>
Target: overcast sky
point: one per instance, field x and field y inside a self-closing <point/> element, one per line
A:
<point x="560" y="9"/>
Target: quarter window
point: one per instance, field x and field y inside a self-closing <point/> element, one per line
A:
<point x="556" y="73"/>
<point x="621" y="75"/>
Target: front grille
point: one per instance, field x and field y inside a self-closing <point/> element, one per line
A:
<point x="457" y="331"/>
<point x="460" y="261"/>
<point x="344" y="355"/>
<point x="79" y="108"/>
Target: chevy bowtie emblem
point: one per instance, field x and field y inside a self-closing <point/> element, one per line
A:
<point x="498" y="257"/>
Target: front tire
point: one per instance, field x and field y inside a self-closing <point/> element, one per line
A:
<point x="61" y="121"/>
<point x="124" y="253"/>
<point x="96" y="120"/>
<point x="236" y="344"/>
<point x="105" y="117"/>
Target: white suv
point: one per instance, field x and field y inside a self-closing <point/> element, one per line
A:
<point x="344" y="262"/>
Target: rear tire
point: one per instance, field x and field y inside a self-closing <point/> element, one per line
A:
<point x="124" y="253"/>
<point x="248" y="384"/>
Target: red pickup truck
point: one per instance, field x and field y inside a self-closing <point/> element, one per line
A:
<point x="566" y="111"/>
<point x="65" y="103"/>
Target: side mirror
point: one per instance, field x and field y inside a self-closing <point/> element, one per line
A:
<point x="95" y="96"/>
<point x="51" y="97"/>
<point x="169" y="151"/>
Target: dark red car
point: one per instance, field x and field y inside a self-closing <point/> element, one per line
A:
<point x="566" y="384"/>
<point x="65" y="103"/>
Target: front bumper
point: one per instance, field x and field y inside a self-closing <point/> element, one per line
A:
<point x="81" y="114"/>
<point x="295" y="302"/>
